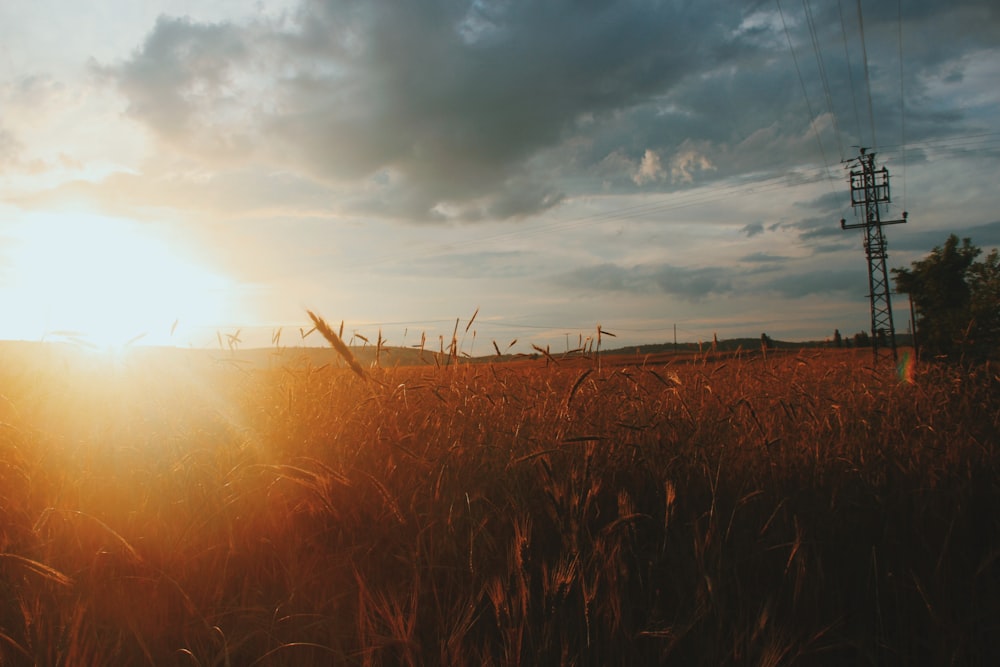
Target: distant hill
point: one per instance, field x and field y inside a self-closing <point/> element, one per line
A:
<point x="746" y="344"/>
<point x="271" y="357"/>
<point x="316" y="357"/>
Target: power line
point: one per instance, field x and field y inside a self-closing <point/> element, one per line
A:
<point x="822" y="75"/>
<point x="986" y="140"/>
<point x="868" y="81"/>
<point x="850" y="71"/>
<point x="802" y="83"/>
<point x="956" y="140"/>
<point x="902" y="103"/>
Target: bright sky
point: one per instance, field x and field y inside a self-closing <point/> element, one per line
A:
<point x="176" y="169"/>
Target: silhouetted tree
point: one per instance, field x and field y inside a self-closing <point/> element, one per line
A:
<point x="957" y="300"/>
<point x="837" y="340"/>
<point x="984" y="304"/>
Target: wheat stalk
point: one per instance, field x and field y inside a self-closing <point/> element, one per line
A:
<point x="337" y="343"/>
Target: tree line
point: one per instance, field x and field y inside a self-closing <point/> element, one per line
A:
<point x="956" y="300"/>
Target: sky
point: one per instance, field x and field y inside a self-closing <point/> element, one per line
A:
<point x="175" y="170"/>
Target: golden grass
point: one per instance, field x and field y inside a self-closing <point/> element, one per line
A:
<point x="807" y="509"/>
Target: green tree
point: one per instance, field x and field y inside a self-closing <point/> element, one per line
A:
<point x="984" y="282"/>
<point x="957" y="300"/>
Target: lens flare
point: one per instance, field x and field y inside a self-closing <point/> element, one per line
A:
<point x="906" y="368"/>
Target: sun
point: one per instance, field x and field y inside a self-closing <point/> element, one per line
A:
<point x="106" y="282"/>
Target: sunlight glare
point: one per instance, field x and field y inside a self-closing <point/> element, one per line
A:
<point x="106" y="282"/>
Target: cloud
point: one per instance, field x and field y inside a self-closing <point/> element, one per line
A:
<point x="467" y="111"/>
<point x="762" y="258"/>
<point x="984" y="236"/>
<point x="458" y="100"/>
<point x="187" y="84"/>
<point x="10" y="150"/>
<point x="687" y="161"/>
<point x="483" y="265"/>
<point x="692" y="284"/>
<point x="807" y="283"/>
<point x="650" y="169"/>
<point x="28" y="102"/>
<point x="179" y="186"/>
<point x="768" y="275"/>
<point x="14" y="157"/>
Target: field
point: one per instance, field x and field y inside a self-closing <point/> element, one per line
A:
<point x="802" y="508"/>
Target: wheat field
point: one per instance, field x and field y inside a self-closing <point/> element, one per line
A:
<point x="801" y="509"/>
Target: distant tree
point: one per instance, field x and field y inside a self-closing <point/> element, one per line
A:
<point x="984" y="303"/>
<point x="862" y="339"/>
<point x="956" y="299"/>
<point x="837" y="340"/>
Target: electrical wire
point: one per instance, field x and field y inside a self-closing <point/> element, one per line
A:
<point x="945" y="145"/>
<point x="814" y="36"/>
<point x="902" y="98"/>
<point x="868" y="81"/>
<point x="802" y="83"/>
<point x="850" y="71"/>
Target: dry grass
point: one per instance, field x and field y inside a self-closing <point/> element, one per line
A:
<point x="806" y="509"/>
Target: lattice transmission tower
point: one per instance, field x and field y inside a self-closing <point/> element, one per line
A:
<point x="870" y="193"/>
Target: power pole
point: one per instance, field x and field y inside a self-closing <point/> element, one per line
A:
<point x="869" y="192"/>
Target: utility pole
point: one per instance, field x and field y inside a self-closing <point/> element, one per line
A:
<point x="870" y="192"/>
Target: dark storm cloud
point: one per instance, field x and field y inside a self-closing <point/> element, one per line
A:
<point x="452" y="99"/>
<point x="444" y="109"/>
<point x="457" y="98"/>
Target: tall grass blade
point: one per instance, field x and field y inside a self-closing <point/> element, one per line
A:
<point x="338" y="344"/>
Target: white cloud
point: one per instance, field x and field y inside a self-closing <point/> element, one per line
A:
<point x="689" y="160"/>
<point x="650" y="169"/>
